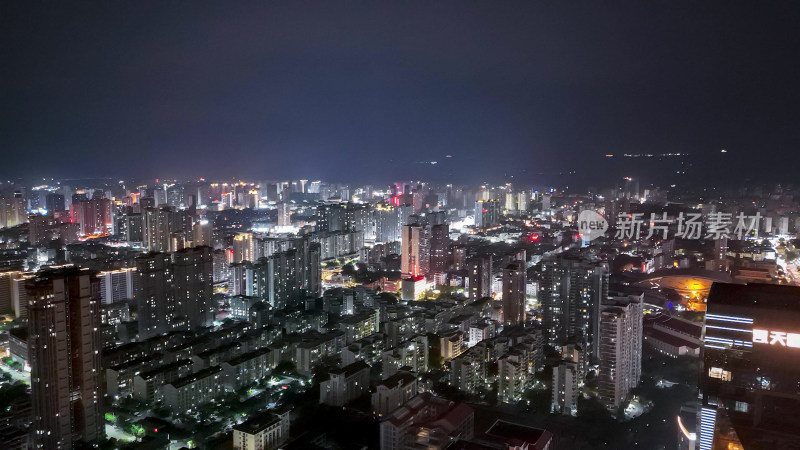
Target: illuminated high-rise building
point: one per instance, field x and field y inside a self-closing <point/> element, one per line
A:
<point x="487" y="213"/>
<point x="12" y="211"/>
<point x="440" y="248"/>
<point x="514" y="281"/>
<point x="415" y="254"/>
<point x="751" y="368"/>
<point x="620" y="344"/>
<point x="480" y="276"/>
<point x="564" y="398"/>
<point x="54" y="203"/>
<point x="155" y="298"/>
<point x="243" y="247"/>
<point x="202" y="232"/>
<point x="287" y="277"/>
<point x="135" y="229"/>
<point x="93" y="215"/>
<point x="162" y="225"/>
<point x="571" y="290"/>
<point x="64" y="352"/>
<point x="387" y="223"/>
<point x="193" y="275"/>
<point x="523" y="200"/>
<point x="117" y="285"/>
<point x="284" y="218"/>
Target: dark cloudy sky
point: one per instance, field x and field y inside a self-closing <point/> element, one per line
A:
<point x="368" y="90"/>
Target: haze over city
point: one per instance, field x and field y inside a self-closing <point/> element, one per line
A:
<point x="365" y="91"/>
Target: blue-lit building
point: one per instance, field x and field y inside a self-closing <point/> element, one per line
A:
<point x="750" y="385"/>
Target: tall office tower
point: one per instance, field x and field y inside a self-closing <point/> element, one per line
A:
<point x="134" y="229"/>
<point x="487" y="213"/>
<point x="387" y="223"/>
<point x="440" y="248"/>
<point x="159" y="196"/>
<point x="571" y="291"/>
<point x="546" y="202"/>
<point x="203" y="192"/>
<point x="514" y="278"/>
<point x="64" y="351"/>
<point x="175" y="195"/>
<point x="117" y="285"/>
<point x="202" y="233"/>
<point x="284" y="219"/>
<point x="522" y="200"/>
<point x="565" y="389"/>
<point x="480" y="276"/>
<point x="510" y="202"/>
<point x="783" y="226"/>
<point x="243" y="247"/>
<point x="93" y="215"/>
<point x="193" y="271"/>
<point x="415" y="256"/>
<point x="751" y="367"/>
<point x="620" y="344"/>
<point x="12" y="211"/>
<point x="272" y="192"/>
<point x="54" y="203"/>
<point x="155" y="299"/>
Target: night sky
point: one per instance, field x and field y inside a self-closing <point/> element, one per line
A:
<point x="371" y="91"/>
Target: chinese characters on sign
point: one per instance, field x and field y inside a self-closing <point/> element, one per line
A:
<point x="689" y="226"/>
<point x="780" y="338"/>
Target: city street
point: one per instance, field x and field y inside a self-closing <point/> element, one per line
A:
<point x="23" y="376"/>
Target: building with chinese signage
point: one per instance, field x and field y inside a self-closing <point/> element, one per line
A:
<point x="751" y="367"/>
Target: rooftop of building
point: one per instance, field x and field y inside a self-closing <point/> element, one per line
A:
<point x="693" y="329"/>
<point x="137" y="362"/>
<point x="400" y="378"/>
<point x="222" y="348"/>
<point x="670" y="339"/>
<point x="451" y="412"/>
<point x="350" y="369"/>
<point x="257" y="424"/>
<point x="19" y="333"/>
<point x="248" y="356"/>
<point x="189" y="379"/>
<point x="356" y="318"/>
<point x="171" y="366"/>
<point x="755" y="295"/>
<point x="515" y="434"/>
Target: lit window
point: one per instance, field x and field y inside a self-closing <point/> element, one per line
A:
<point x="718" y="373"/>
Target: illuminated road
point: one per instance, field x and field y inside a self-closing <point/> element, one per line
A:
<point x="23" y="376"/>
